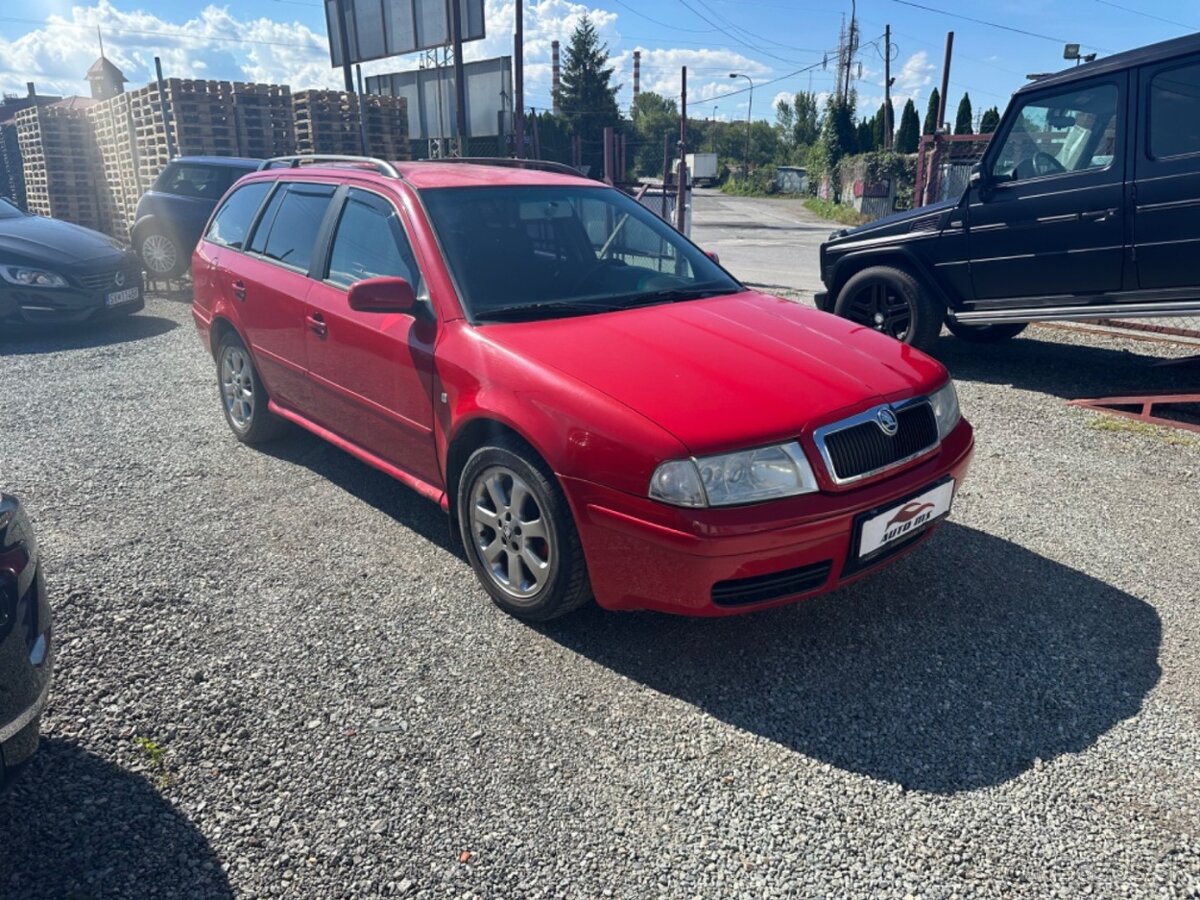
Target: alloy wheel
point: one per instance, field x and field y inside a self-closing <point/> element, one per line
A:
<point x="237" y="387"/>
<point x="159" y="253"/>
<point x="511" y="533"/>
<point x="881" y="306"/>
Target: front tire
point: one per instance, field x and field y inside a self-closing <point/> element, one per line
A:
<point x="244" y="397"/>
<point x="892" y="302"/>
<point x="161" y="254"/>
<point x="519" y="534"/>
<point x="985" y="334"/>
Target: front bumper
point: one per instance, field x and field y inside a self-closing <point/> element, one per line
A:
<point x="75" y="303"/>
<point x="822" y="302"/>
<point x="644" y="555"/>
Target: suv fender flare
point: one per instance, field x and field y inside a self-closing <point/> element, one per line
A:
<point x="901" y="257"/>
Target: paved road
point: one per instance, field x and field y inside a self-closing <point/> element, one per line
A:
<point x="764" y="242"/>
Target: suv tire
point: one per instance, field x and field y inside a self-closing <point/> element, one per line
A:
<point x="160" y="253"/>
<point x="892" y="302"/>
<point x="244" y="397"/>
<point x="519" y="534"/>
<point x="985" y="334"/>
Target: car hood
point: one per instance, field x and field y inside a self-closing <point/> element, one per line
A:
<point x="925" y="218"/>
<point x="37" y="240"/>
<point x="727" y="372"/>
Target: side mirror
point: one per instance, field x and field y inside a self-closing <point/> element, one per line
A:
<point x="712" y="254"/>
<point x="382" y="295"/>
<point x="980" y="182"/>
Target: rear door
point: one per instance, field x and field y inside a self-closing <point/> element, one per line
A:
<point x="1166" y="221"/>
<point x="188" y="192"/>
<point x="372" y="373"/>
<point x="1051" y="223"/>
<point x="268" y="285"/>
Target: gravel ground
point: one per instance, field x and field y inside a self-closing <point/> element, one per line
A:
<point x="278" y="678"/>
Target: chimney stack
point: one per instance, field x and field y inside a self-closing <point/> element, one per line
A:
<point x="555" y="72"/>
<point x="29" y="86"/>
<point x="637" y="73"/>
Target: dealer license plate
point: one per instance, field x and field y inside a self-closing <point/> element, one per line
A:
<point x="116" y="298"/>
<point x="905" y="519"/>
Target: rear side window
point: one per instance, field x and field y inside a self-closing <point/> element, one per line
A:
<point x="1175" y="111"/>
<point x="232" y="221"/>
<point x="369" y="243"/>
<point x="195" y="180"/>
<point x="291" y="222"/>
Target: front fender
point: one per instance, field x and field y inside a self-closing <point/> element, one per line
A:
<point x="903" y="257"/>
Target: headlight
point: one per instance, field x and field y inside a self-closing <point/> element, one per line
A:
<point x="31" y="277"/>
<point x="945" y="409"/>
<point x="729" y="479"/>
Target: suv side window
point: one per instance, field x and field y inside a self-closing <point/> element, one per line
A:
<point x="1175" y="111"/>
<point x="289" y="226"/>
<point x="232" y="221"/>
<point x="1071" y="131"/>
<point x="194" y="180"/>
<point x="369" y="243"/>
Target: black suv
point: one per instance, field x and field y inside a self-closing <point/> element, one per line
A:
<point x="1086" y="205"/>
<point x="172" y="214"/>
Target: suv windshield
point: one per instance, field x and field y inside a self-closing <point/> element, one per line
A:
<point x="537" y="251"/>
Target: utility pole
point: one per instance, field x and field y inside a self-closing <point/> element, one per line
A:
<point x="460" y="86"/>
<point x="681" y="191"/>
<point x="344" y="44"/>
<point x="945" y="82"/>
<point x="887" y="86"/>
<point x="519" y="82"/>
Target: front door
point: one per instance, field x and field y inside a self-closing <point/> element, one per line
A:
<point x="1166" y="221"/>
<point x="1049" y="220"/>
<point x="372" y="373"/>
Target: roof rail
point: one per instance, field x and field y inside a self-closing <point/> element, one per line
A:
<point x="507" y="162"/>
<point x="294" y="162"/>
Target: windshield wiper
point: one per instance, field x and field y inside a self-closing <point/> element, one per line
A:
<point x="677" y="295"/>
<point x="546" y="309"/>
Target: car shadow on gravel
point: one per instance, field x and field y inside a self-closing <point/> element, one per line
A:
<point x="74" y="825"/>
<point x="27" y="340"/>
<point x="1070" y="371"/>
<point x="960" y="667"/>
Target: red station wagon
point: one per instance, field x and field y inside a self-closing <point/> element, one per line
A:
<point x="601" y="408"/>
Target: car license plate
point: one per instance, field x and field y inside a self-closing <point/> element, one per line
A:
<point x="116" y="298"/>
<point x="905" y="519"/>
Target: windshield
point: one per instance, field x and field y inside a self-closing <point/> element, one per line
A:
<point x="539" y="251"/>
<point x="8" y="211"/>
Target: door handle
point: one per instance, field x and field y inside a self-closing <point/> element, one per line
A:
<point x="1098" y="215"/>
<point x="317" y="323"/>
<point x="239" y="290"/>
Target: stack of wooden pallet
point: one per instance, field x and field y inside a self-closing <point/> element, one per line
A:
<point x="328" y="122"/>
<point x="12" y="173"/>
<point x="112" y="124"/>
<point x="59" y="158"/>
<point x="264" y="120"/>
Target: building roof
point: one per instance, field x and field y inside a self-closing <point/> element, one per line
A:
<point x="102" y="68"/>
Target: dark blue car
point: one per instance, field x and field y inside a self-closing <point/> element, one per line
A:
<point x="172" y="214"/>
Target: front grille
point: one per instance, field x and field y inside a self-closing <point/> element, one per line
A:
<point x="860" y="449"/>
<point x="761" y="588"/>
<point x="107" y="281"/>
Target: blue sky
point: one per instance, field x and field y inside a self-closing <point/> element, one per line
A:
<point x="53" y="42"/>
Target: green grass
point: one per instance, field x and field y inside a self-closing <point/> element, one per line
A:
<point x="157" y="756"/>
<point x="835" y="212"/>
<point x="1119" y="424"/>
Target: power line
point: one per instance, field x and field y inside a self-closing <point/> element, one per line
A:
<point x="662" y="24"/>
<point x="734" y="37"/>
<point x="752" y="34"/>
<point x="954" y="15"/>
<point x="1138" y="12"/>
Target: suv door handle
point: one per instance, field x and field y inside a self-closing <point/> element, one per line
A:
<point x="1098" y="215"/>
<point x="317" y="323"/>
<point x="239" y="290"/>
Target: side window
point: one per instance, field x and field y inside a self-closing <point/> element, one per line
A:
<point x="289" y="227"/>
<point x="232" y="221"/>
<point x="1072" y="131"/>
<point x="370" y="243"/>
<point x="194" y="180"/>
<point x="1175" y="112"/>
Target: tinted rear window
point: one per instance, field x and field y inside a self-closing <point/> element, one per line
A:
<point x="195" y="180"/>
<point x="1175" y="112"/>
<point x="232" y="221"/>
<point x="288" y="235"/>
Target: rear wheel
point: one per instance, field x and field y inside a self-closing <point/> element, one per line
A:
<point x="519" y="534"/>
<point x="894" y="303"/>
<point x="161" y="254"/>
<point x="244" y="398"/>
<point x="985" y="334"/>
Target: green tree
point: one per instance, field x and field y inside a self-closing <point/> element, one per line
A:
<point x="879" y="125"/>
<point x="587" y="99"/>
<point x="964" y="121"/>
<point x="909" y="134"/>
<point x="654" y="117"/>
<point x="806" y="112"/>
<point x="864" y="137"/>
<point x="931" y="113"/>
<point x="838" y="136"/>
<point x="785" y="122"/>
<point x="990" y="121"/>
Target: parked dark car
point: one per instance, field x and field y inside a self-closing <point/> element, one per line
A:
<point x="171" y="215"/>
<point x="26" y="654"/>
<point x="1086" y="205"/>
<point x="53" y="271"/>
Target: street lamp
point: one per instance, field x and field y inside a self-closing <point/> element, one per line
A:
<point x="713" y="137"/>
<point x="749" y="106"/>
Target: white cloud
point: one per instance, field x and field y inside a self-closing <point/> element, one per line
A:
<point x="914" y="76"/>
